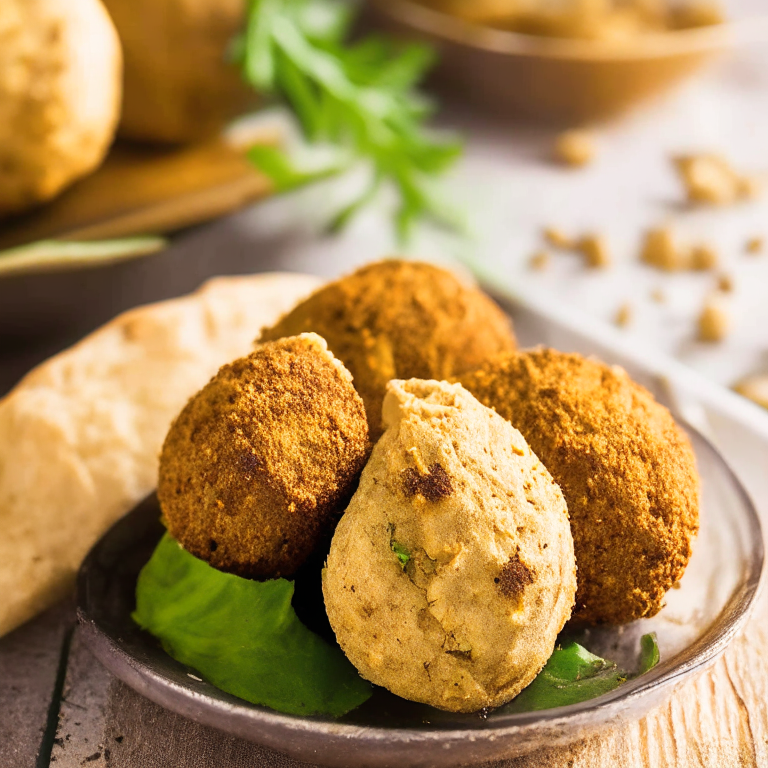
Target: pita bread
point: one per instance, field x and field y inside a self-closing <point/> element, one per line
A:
<point x="80" y="436"/>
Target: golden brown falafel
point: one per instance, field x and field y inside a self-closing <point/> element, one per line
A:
<point x="627" y="471"/>
<point x="257" y="469"/>
<point x="399" y="320"/>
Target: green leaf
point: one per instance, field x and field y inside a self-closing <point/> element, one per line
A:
<point x="243" y="636"/>
<point x="283" y="173"/>
<point x="403" y="555"/>
<point x="649" y="653"/>
<point x="45" y="255"/>
<point x="573" y="674"/>
<point x="362" y="97"/>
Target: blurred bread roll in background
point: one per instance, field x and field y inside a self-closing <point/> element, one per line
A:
<point x="60" y="93"/>
<point x="179" y="83"/>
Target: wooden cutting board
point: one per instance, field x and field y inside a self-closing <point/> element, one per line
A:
<point x="148" y="190"/>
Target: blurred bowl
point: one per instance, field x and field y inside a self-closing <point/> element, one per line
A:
<point x="558" y="79"/>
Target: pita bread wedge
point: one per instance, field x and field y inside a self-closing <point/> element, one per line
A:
<point x="80" y="436"/>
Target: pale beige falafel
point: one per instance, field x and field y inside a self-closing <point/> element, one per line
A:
<point x="60" y="94"/>
<point x="626" y="469"/>
<point x="452" y="570"/>
<point x="258" y="467"/>
<point x="400" y="319"/>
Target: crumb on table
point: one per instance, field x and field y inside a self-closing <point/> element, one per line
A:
<point x="725" y="283"/>
<point x="539" y="261"/>
<point x="658" y="296"/>
<point x="714" y="321"/>
<point x="703" y="258"/>
<point x="755" y="388"/>
<point x="710" y="178"/>
<point x="624" y="315"/>
<point x="557" y="238"/>
<point x="754" y="245"/>
<point x="575" y="148"/>
<point x="595" y="251"/>
<point x="660" y="250"/>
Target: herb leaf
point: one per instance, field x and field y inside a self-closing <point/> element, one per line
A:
<point x="573" y="674"/>
<point x="649" y="653"/>
<point x="285" y="175"/>
<point x="243" y="636"/>
<point x="403" y="555"/>
<point x="360" y="96"/>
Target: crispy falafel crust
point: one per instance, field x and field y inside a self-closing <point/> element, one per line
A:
<point x="399" y="319"/>
<point x="258" y="467"/>
<point x="627" y="471"/>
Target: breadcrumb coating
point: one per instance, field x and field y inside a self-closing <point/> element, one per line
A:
<point x="257" y="469"/>
<point x="627" y="471"/>
<point x="399" y="319"/>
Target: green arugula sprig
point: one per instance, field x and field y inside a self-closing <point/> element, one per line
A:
<point x="361" y="97"/>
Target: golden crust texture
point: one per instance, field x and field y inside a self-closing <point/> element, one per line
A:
<point x="627" y="471"/>
<point x="398" y="320"/>
<point x="452" y="570"/>
<point x="257" y="468"/>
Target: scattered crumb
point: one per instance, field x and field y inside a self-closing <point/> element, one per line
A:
<point x="539" y="261"/>
<point x="595" y="251"/>
<point x="714" y="321"/>
<point x="755" y="388"/>
<point x="710" y="178"/>
<point x="754" y="245"/>
<point x="703" y="258"/>
<point x="624" y="316"/>
<point x="557" y="238"/>
<point x="575" y="148"/>
<point x="660" y="250"/>
<point x="725" y="283"/>
<point x="749" y="187"/>
<point x="658" y="296"/>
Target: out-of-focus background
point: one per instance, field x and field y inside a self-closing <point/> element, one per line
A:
<point x="614" y="164"/>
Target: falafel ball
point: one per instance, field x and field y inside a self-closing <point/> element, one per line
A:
<point x="258" y="467"/>
<point x="627" y="471"/>
<point x="60" y="91"/>
<point x="452" y="570"/>
<point x="400" y="319"/>
<point x="180" y="83"/>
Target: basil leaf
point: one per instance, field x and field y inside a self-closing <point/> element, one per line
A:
<point x="243" y="636"/>
<point x="573" y="674"/>
<point x="649" y="653"/>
